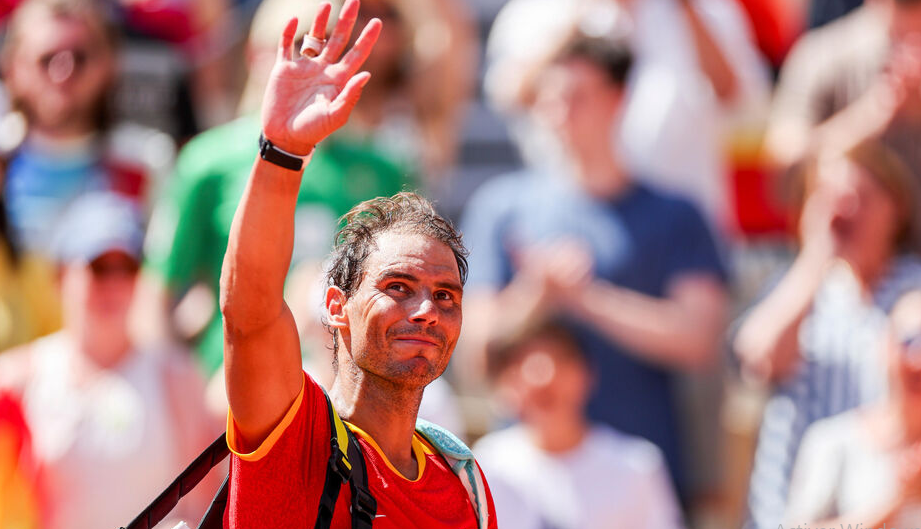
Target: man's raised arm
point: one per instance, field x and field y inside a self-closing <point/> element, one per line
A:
<point x="306" y="99"/>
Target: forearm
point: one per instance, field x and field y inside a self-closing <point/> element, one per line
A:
<point x="710" y="56"/>
<point x="791" y="139"/>
<point x="771" y="331"/>
<point x="259" y="249"/>
<point x="662" y="330"/>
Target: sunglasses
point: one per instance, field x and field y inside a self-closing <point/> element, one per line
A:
<point x="910" y="344"/>
<point x="114" y="269"/>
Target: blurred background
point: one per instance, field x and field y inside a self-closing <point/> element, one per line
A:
<point x="693" y="225"/>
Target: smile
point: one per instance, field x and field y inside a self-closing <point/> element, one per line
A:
<point x="417" y="340"/>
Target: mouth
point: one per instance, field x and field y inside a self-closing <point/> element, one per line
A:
<point x="417" y="341"/>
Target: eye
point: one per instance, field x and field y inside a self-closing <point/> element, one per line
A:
<point x="398" y="287"/>
<point x="444" y="295"/>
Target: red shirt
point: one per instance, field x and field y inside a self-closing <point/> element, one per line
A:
<point x="280" y="483"/>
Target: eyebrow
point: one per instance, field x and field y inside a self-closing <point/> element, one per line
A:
<point x="447" y="285"/>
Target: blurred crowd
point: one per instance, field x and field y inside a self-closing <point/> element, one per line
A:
<point x="694" y="296"/>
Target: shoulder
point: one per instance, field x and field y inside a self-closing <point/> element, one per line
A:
<point x="517" y="180"/>
<point x="232" y="144"/>
<point x="838" y="43"/>
<point x="494" y="198"/>
<point x="495" y="446"/>
<point x="631" y="453"/>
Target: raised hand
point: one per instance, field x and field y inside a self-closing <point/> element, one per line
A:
<point x="307" y="98"/>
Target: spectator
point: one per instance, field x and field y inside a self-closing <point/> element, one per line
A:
<point x="696" y="65"/>
<point x="556" y="468"/>
<point x="637" y="268"/>
<point x="111" y="423"/>
<point x="864" y="465"/>
<point x="855" y="78"/>
<point x="59" y="61"/>
<point x="809" y="336"/>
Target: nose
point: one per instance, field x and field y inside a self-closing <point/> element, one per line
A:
<point x="425" y="312"/>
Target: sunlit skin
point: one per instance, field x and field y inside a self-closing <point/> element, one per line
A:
<point x="402" y="322"/>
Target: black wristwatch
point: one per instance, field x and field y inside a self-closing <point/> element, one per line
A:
<point x="272" y="154"/>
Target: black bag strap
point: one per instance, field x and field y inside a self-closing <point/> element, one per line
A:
<point x="184" y="482"/>
<point x="364" y="506"/>
<point x="346" y="464"/>
<point x="214" y="517"/>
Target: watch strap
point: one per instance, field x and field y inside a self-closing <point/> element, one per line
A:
<point x="272" y="154"/>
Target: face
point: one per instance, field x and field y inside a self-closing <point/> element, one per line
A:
<point x="546" y="382"/>
<point x="403" y="320"/>
<point x="59" y="71"/>
<point x="388" y="52"/>
<point x="97" y="295"/>
<point x="865" y="217"/>
<point x="904" y="345"/>
<point x="579" y="101"/>
<point x="905" y="21"/>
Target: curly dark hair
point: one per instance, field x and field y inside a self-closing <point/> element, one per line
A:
<point x="360" y="226"/>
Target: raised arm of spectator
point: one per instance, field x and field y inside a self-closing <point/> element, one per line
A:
<point x="681" y="330"/>
<point x="306" y="99"/>
<point x="798" y="125"/>
<point x="767" y="342"/>
<point x="712" y="59"/>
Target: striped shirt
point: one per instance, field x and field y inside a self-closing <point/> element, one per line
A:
<point x="840" y="369"/>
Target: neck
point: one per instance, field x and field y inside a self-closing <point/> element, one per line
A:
<point x="103" y="353"/>
<point x="560" y="434"/>
<point x="385" y="412"/>
<point x="599" y="171"/>
<point x="58" y="140"/>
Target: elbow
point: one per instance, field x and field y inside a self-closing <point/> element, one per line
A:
<point x="727" y="89"/>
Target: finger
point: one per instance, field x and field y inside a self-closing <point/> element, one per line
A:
<point x="286" y="44"/>
<point x="362" y="48"/>
<point x="318" y="29"/>
<point x="342" y="106"/>
<point x="341" y="32"/>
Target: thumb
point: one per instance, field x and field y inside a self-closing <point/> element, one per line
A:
<point x="342" y="106"/>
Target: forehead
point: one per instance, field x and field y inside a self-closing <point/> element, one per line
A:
<point x="42" y="28"/>
<point x="414" y="253"/>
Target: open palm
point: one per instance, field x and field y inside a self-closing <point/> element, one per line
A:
<point x="308" y="98"/>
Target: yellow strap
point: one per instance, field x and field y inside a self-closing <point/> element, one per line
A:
<point x="342" y="436"/>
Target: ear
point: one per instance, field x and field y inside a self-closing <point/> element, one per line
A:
<point x="335" y="308"/>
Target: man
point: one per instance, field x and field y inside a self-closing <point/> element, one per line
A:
<point x="393" y="304"/>
<point x="637" y="270"/>
<point x="111" y="422"/>
<point x="557" y="468"/>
